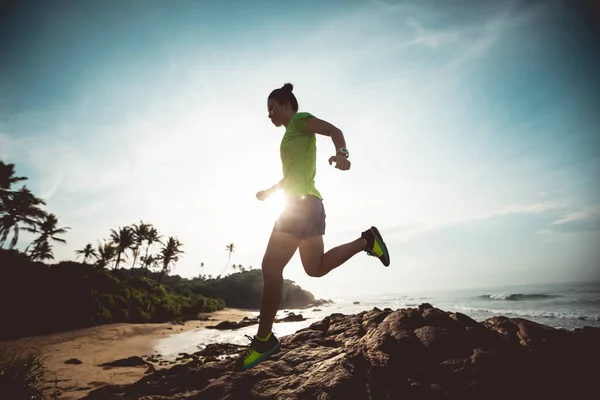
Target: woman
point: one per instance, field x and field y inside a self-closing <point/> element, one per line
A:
<point x="302" y="223"/>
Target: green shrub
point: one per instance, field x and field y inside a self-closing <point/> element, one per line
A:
<point x="23" y="378"/>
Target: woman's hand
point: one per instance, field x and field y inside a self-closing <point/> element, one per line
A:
<point x="263" y="194"/>
<point x="341" y="161"/>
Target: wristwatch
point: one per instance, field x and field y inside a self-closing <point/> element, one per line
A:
<point x="344" y="151"/>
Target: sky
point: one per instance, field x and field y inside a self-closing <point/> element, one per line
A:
<point x="472" y="128"/>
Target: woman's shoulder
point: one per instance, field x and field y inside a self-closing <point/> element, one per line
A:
<point x="302" y="115"/>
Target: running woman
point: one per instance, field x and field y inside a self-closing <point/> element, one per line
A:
<point x="301" y="224"/>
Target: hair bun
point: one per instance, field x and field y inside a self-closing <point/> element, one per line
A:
<point x="288" y="87"/>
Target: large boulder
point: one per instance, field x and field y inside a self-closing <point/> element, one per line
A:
<point x="411" y="353"/>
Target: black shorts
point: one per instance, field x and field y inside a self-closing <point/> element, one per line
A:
<point x="303" y="217"/>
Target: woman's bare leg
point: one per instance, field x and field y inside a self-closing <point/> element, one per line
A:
<point x="280" y="250"/>
<point x="317" y="263"/>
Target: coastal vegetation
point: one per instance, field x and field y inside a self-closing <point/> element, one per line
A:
<point x="125" y="277"/>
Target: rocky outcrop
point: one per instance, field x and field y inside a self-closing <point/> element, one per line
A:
<point x="226" y="325"/>
<point x="133" y="361"/>
<point x="412" y="353"/>
<point x="320" y="302"/>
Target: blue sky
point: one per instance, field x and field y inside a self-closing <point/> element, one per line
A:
<point x="472" y="128"/>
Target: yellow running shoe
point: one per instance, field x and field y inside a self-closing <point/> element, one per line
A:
<point x="376" y="247"/>
<point x="259" y="350"/>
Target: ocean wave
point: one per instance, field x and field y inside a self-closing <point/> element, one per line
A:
<point x="532" y="313"/>
<point x="518" y="296"/>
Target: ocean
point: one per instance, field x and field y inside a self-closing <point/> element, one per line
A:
<point x="560" y="305"/>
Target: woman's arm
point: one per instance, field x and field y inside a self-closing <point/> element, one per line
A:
<point x="316" y="125"/>
<point x="263" y="194"/>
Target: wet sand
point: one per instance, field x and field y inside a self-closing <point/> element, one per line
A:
<point x="102" y="344"/>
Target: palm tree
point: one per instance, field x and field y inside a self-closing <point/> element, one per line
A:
<point x="42" y="251"/>
<point x="230" y="248"/>
<point x="168" y="255"/>
<point x="123" y="239"/>
<point x="148" y="262"/>
<point x="7" y="178"/>
<point x="10" y="202"/>
<point x="20" y="207"/>
<point x="48" y="230"/>
<point x="201" y="268"/>
<point x="88" y="252"/>
<point x="150" y="238"/>
<point x="106" y="252"/>
<point x="140" y="232"/>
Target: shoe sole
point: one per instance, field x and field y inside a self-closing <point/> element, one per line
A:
<point x="385" y="249"/>
<point x="263" y="357"/>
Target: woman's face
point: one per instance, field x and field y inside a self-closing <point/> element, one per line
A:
<point x="277" y="112"/>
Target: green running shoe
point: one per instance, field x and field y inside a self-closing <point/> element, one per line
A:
<point x="258" y="351"/>
<point x="376" y="246"/>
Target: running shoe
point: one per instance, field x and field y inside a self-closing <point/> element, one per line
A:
<point x="376" y="247"/>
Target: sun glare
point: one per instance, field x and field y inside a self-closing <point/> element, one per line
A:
<point x="275" y="204"/>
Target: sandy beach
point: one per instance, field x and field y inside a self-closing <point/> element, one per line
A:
<point x="102" y="344"/>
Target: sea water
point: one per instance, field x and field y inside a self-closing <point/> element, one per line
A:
<point x="561" y="305"/>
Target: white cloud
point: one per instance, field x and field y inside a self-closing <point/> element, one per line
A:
<point x="577" y="216"/>
<point x="402" y="233"/>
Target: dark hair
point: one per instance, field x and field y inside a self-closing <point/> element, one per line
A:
<point x="284" y="95"/>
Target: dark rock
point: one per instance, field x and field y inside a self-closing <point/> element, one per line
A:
<point x="225" y="325"/>
<point x="291" y="317"/>
<point x="133" y="361"/>
<point x="218" y="349"/>
<point x="150" y="370"/>
<point x="412" y="353"/>
<point x="320" y="302"/>
<point x="73" y="361"/>
<point x="184" y="356"/>
<point x="246" y="321"/>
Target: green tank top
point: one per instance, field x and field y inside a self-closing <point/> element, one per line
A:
<point x="299" y="158"/>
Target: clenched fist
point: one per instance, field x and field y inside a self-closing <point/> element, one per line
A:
<point x="341" y="162"/>
<point x="263" y="194"/>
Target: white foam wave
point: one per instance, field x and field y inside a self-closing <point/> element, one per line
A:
<point x="518" y="296"/>
<point x="532" y="313"/>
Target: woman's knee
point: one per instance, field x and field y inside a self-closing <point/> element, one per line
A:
<point x="271" y="273"/>
<point x="280" y="249"/>
<point x="311" y="255"/>
<point x="313" y="271"/>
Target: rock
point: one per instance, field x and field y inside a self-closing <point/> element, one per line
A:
<point x="225" y="325"/>
<point x="73" y="361"/>
<point x="291" y="317"/>
<point x="219" y="349"/>
<point x="410" y="353"/>
<point x="246" y="321"/>
<point x="150" y="370"/>
<point x="133" y="361"/>
<point x="319" y="303"/>
<point x="184" y="356"/>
